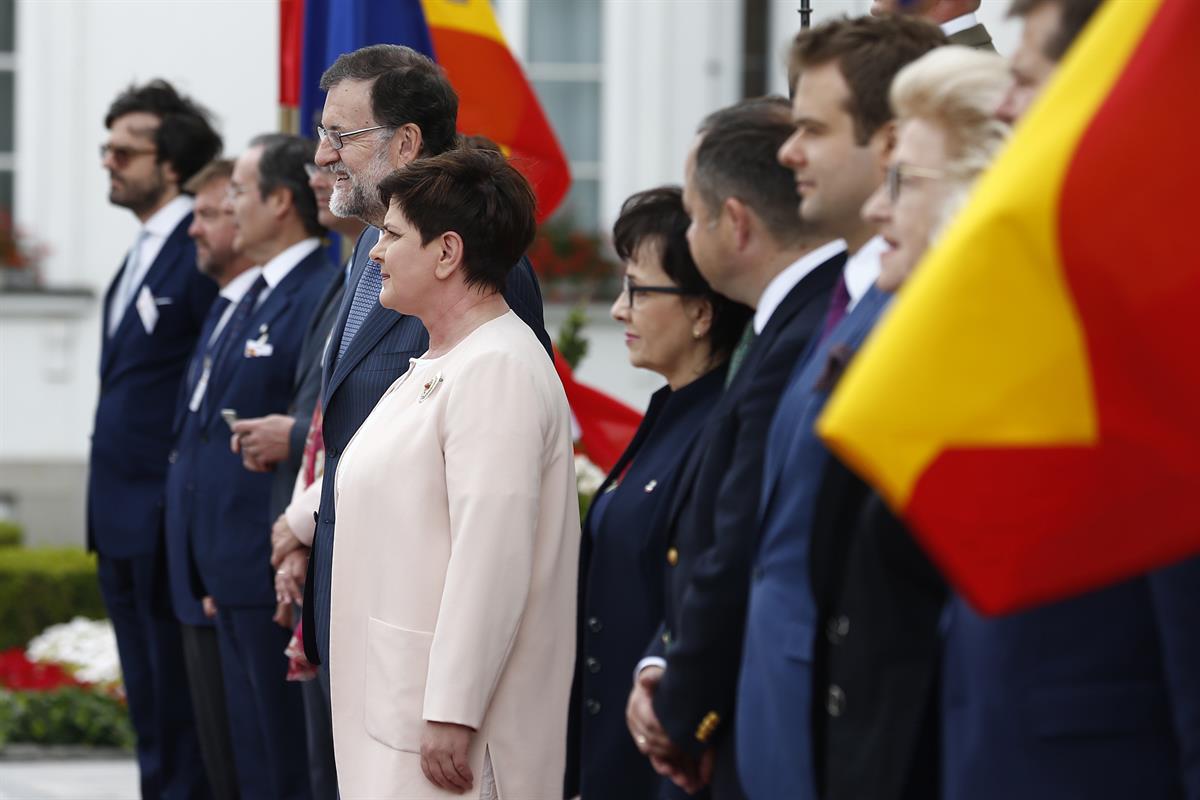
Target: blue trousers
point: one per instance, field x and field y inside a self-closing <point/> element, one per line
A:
<point x="156" y="687"/>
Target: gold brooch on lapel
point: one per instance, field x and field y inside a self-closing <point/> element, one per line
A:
<point x="429" y="387"/>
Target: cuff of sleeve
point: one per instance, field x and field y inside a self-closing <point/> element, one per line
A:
<point x="300" y="519"/>
<point x="648" y="661"/>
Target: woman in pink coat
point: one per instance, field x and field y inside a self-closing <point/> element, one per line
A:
<point x="454" y="567"/>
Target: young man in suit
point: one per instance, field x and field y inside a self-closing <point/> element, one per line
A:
<point x="838" y="154"/>
<point x="213" y="231"/>
<point x="385" y="106"/>
<point x="749" y="245"/>
<point x="1097" y="696"/>
<point x="956" y="18"/>
<point x="152" y="313"/>
<point x="249" y="371"/>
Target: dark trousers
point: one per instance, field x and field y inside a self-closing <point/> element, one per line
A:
<point x="148" y="641"/>
<point x="208" y="700"/>
<point x="266" y="713"/>
<point x="319" y="723"/>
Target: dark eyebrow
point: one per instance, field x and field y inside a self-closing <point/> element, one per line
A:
<point x="386" y="229"/>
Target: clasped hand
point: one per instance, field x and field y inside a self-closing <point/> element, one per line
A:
<point x="444" y="755"/>
<point x="651" y="739"/>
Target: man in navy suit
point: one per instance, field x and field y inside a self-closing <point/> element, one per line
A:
<point x="152" y="314"/>
<point x="248" y="371"/>
<point x="750" y="246"/>
<point x="213" y="231"/>
<point x="838" y="154"/>
<point x="385" y="106"/>
<point x="1097" y="696"/>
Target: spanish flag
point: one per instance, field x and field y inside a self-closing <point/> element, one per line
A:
<point x="494" y="97"/>
<point x="1031" y="405"/>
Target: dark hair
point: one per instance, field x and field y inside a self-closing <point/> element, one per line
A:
<point x="185" y="137"/>
<point x="478" y="195"/>
<point x="1075" y="16"/>
<point x="476" y="141"/>
<point x="868" y="51"/>
<point x="408" y="87"/>
<point x="219" y="169"/>
<point x="737" y="158"/>
<point x="282" y="166"/>
<point x="656" y="216"/>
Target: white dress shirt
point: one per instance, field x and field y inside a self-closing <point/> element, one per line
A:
<point x="959" y="24"/>
<point x="284" y="262"/>
<point x="862" y="269"/>
<point x="148" y="244"/>
<point x="783" y="283"/>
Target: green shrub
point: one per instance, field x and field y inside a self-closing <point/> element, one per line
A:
<point x="64" y="716"/>
<point x="42" y="587"/>
<point x="11" y="534"/>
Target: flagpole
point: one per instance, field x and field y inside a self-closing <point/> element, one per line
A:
<point x="805" y="14"/>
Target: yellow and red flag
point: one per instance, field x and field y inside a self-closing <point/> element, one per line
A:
<point x="1031" y="406"/>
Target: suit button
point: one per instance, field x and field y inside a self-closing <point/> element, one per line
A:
<point x="837" y="628"/>
<point x="835" y="701"/>
<point x="666" y="637"/>
<point x="592" y="706"/>
<point x="672" y="556"/>
<point x="593" y="665"/>
<point x="173" y="456"/>
<point x="594" y="625"/>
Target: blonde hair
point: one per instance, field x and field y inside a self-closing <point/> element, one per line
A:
<point x="956" y="89"/>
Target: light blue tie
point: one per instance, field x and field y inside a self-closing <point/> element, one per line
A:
<point x="366" y="295"/>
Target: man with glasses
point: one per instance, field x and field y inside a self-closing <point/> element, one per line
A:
<point x="152" y="314"/>
<point x="750" y="246"/>
<point x="385" y="106"/>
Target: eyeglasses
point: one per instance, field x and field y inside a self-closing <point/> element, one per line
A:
<point x="335" y="137"/>
<point x="898" y="173"/>
<point x="630" y="291"/>
<point x="122" y="155"/>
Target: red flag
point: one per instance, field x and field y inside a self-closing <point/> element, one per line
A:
<point x="606" y="426"/>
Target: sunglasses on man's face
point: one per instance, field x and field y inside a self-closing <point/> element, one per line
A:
<point x="121" y="155"/>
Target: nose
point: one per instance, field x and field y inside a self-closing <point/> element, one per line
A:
<point x="1008" y="110"/>
<point x="325" y="154"/>
<point x="878" y="208"/>
<point x="791" y="152"/>
<point x="107" y="161"/>
<point x="376" y="253"/>
<point x="620" y="307"/>
<point x="195" y="228"/>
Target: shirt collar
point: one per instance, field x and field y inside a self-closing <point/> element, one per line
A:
<point x="959" y="24"/>
<point x="239" y="285"/>
<point x="783" y="283"/>
<point x="284" y="262"/>
<point x="164" y="221"/>
<point x="862" y="269"/>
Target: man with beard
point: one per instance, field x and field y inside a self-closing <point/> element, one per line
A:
<point x="152" y="314"/>
<point x="385" y="106"/>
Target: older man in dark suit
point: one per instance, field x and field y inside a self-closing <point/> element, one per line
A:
<point x="152" y="315"/>
<point x="956" y="18"/>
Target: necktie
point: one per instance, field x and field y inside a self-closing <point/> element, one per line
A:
<point x="206" y="342"/>
<point x="128" y="283"/>
<point x="366" y="296"/>
<point x="235" y="328"/>
<point x="838" y="304"/>
<point x="739" y="351"/>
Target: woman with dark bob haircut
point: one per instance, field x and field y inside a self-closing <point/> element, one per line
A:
<point x="677" y="326"/>
<point x="454" y="566"/>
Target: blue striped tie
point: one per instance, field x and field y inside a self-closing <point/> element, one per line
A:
<point x="366" y="295"/>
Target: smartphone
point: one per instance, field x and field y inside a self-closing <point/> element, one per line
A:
<point x="230" y="416"/>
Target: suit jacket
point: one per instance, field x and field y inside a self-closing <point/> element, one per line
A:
<point x="773" y="727"/>
<point x="621" y="569"/>
<point x="305" y="389"/>
<point x="352" y="385"/>
<point x="709" y="523"/>
<point x="975" y="36"/>
<point x="140" y="374"/>
<point x="225" y="507"/>
<point x="1096" y="697"/>
<point x="877" y="650"/>
<point x="454" y="571"/>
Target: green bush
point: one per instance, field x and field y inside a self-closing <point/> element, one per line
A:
<point x="42" y="587"/>
<point x="11" y="534"/>
<point x="64" y="716"/>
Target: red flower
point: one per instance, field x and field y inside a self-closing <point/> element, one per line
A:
<point x="19" y="673"/>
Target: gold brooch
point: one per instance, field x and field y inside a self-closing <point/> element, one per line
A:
<point x="429" y="387"/>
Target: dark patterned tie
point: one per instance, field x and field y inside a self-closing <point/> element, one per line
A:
<point x="838" y="304"/>
<point x="206" y="343"/>
<point x="739" y="351"/>
<point x="366" y="295"/>
<point x="235" y="328"/>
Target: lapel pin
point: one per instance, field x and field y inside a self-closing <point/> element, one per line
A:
<point x="650" y="486"/>
<point x="429" y="387"/>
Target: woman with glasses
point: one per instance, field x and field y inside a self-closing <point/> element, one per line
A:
<point x="677" y="326"/>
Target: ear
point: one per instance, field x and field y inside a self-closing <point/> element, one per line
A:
<point x="170" y="173"/>
<point x="279" y="202"/>
<point x="450" y="258"/>
<point x="406" y="144"/>
<point x="739" y="219"/>
<point x="700" y="311"/>
<point x="884" y="142"/>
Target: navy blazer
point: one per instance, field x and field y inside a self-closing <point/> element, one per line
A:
<point x="621" y="564"/>
<point x="140" y="374"/>
<point x="1096" y="697"/>
<point x="709" y="525"/>
<point x="774" y="701"/>
<point x="353" y="384"/>
<point x="225" y="508"/>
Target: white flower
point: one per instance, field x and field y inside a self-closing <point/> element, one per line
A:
<point x="87" y="648"/>
<point x="588" y="476"/>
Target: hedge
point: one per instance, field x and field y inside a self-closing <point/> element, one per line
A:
<point x="64" y="716"/>
<point x="11" y="534"/>
<point x="42" y="587"/>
